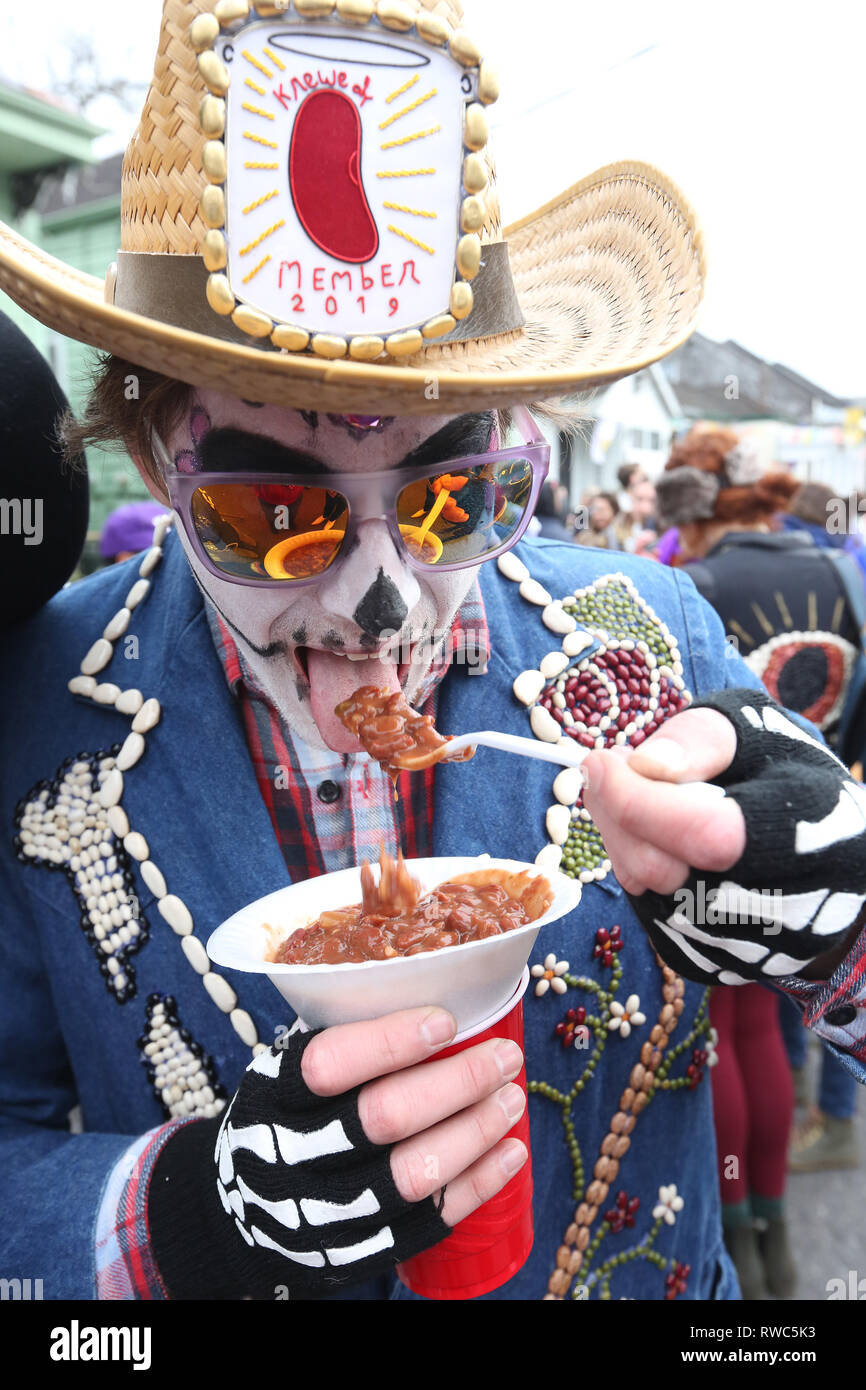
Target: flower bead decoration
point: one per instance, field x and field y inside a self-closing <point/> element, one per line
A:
<point x="677" y="1281"/>
<point x="549" y="975"/>
<point x="607" y="944"/>
<point x="626" y="1016"/>
<point x="695" y="1069"/>
<point x="669" y="1203"/>
<point x="623" y="1213"/>
<point x="614" y="680"/>
<point x="572" y="1030"/>
<point x="598" y="1216"/>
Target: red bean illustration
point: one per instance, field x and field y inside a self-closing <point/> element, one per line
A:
<point x="325" y="178"/>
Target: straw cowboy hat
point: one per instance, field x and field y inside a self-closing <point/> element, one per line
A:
<point x="309" y="218"/>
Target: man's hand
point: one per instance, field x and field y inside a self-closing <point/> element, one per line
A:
<point x="328" y="1166"/>
<point x="447" y="1120"/>
<point x="654" y="827"/>
<point x="757" y="877"/>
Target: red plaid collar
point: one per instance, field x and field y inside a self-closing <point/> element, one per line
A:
<point x="327" y="813"/>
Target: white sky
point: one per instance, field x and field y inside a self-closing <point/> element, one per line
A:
<point x="754" y="107"/>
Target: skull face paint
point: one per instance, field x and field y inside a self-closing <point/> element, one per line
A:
<point x="363" y="622"/>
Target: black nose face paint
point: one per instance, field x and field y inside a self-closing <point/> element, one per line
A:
<point x="381" y="609"/>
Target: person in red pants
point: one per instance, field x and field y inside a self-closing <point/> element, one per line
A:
<point x="753" y="1105"/>
<point x="792" y="613"/>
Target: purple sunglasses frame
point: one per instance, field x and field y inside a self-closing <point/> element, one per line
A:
<point x="356" y="487"/>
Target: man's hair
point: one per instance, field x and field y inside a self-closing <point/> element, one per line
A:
<point x="128" y="404"/>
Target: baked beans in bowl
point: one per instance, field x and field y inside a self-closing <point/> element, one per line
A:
<point x="472" y="978"/>
<point x="395" y="917"/>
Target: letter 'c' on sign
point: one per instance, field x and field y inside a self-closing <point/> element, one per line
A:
<point x="325" y="178"/>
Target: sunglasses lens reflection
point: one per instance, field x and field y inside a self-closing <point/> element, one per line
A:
<point x="289" y="531"/>
<point x="459" y="518"/>
<point x="269" y="530"/>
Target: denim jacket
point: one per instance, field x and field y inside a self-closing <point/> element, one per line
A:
<point x="72" y="1035"/>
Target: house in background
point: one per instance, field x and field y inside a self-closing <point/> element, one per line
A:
<point x="794" y="423"/>
<point x="55" y="194"/>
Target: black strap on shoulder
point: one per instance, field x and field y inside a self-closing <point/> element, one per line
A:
<point x="848" y="574"/>
<point x="851" y="732"/>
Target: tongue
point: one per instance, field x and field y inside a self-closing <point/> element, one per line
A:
<point x="335" y="678"/>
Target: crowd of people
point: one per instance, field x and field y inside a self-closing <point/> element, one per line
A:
<point x="625" y="520"/>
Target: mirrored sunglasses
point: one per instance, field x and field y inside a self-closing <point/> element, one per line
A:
<point x="278" y="528"/>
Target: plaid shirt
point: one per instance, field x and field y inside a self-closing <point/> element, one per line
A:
<point x="835" y="1009"/>
<point x="125" y="1267"/>
<point x="329" y="811"/>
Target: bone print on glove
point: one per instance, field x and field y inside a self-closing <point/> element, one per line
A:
<point x="283" y="1190"/>
<point x="801" y="882"/>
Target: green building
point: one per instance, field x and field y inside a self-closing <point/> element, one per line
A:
<point x="54" y="193"/>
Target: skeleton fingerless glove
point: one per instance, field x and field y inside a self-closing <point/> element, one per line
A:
<point x="801" y="882"/>
<point x="283" y="1191"/>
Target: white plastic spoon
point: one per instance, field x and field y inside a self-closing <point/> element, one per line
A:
<point x="566" y="753"/>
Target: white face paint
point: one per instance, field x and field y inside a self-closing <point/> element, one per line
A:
<point x="296" y="642"/>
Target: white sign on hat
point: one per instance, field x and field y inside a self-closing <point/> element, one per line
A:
<point x="344" y="213"/>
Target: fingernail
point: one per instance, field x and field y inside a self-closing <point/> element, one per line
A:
<point x="590" y="775"/>
<point x="437" y="1027"/>
<point x="509" y="1059"/>
<point x="513" y="1156"/>
<point x="665" y="754"/>
<point x="513" y="1101"/>
<point x="706" y="791"/>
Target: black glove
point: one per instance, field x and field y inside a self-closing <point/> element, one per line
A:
<point x="283" y="1190"/>
<point x="801" y="882"/>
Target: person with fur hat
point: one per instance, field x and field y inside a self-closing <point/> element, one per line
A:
<point x="332" y="343"/>
<point x="796" y="619"/>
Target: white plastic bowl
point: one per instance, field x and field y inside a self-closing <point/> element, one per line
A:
<point x="473" y="980"/>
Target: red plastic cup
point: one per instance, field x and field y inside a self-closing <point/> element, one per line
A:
<point x="490" y="1246"/>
